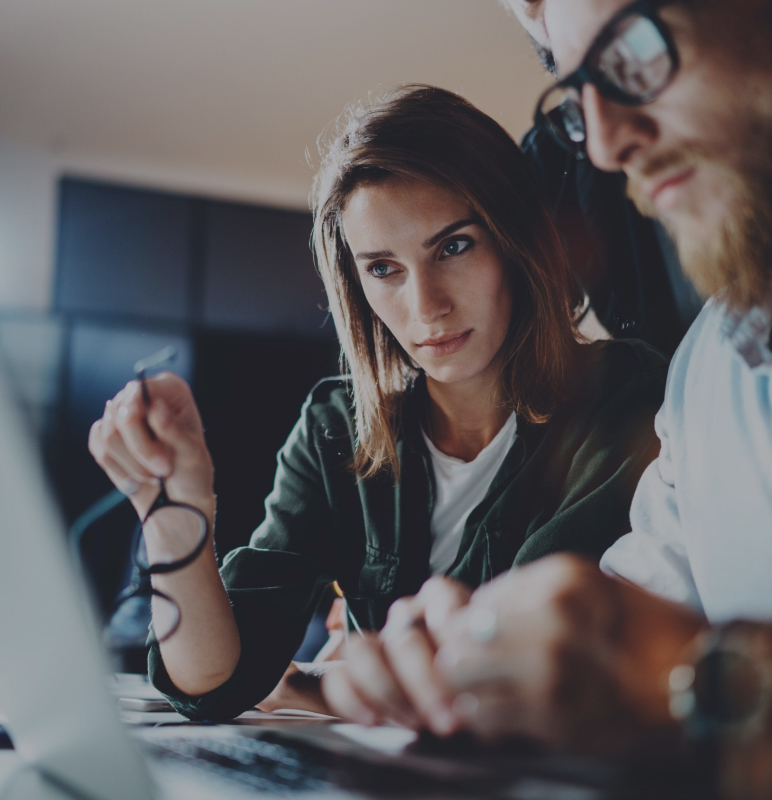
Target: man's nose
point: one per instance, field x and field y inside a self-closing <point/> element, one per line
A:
<point x="429" y="299"/>
<point x="615" y="133"/>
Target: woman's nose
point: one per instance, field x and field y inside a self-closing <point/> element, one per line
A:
<point x="429" y="298"/>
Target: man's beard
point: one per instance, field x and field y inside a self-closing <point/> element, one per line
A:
<point x="733" y="257"/>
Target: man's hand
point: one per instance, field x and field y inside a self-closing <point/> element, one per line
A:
<point x="392" y="677"/>
<point x="561" y="653"/>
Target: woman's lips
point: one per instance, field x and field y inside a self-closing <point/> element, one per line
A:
<point x="444" y="345"/>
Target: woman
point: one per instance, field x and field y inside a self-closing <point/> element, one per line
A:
<point x="474" y="432"/>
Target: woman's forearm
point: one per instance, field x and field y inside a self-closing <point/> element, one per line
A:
<point x="204" y="650"/>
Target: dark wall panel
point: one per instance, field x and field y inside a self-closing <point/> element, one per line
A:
<point x="123" y="251"/>
<point x="259" y="273"/>
<point x="250" y="390"/>
<point x="101" y="360"/>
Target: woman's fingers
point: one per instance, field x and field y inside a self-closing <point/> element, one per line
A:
<point x="440" y="598"/>
<point x="411" y="655"/>
<point x="344" y="700"/>
<point x="411" y="650"/>
<point x="120" y="478"/>
<point x="374" y="681"/>
<point x="131" y="422"/>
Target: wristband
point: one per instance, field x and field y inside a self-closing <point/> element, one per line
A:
<point x="723" y="689"/>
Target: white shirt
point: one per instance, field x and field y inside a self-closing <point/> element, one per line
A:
<point x="702" y="514"/>
<point x="460" y="486"/>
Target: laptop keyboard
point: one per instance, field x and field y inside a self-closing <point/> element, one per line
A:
<point x="273" y="763"/>
<point x="257" y="763"/>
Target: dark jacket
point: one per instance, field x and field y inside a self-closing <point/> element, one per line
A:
<point x="625" y="262"/>
<point x="565" y="485"/>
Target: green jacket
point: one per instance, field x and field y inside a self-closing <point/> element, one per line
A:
<point x="565" y="485"/>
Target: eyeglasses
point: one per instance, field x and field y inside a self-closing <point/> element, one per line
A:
<point x="632" y="61"/>
<point x="170" y="537"/>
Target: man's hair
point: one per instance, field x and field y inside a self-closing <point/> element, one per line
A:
<point x="427" y="134"/>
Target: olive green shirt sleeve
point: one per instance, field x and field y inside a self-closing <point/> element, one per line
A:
<point x="592" y="508"/>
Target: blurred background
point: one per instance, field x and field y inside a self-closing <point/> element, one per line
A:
<point x="155" y="164"/>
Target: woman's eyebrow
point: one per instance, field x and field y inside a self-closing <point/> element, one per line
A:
<point x="446" y="231"/>
<point x="373" y="255"/>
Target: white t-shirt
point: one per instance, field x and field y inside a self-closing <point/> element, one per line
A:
<point x="460" y="487"/>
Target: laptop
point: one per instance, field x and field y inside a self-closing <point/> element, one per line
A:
<point x="70" y="743"/>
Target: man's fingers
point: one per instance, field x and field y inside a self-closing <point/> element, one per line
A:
<point x="465" y="662"/>
<point x="375" y="682"/>
<point x="498" y="711"/>
<point x="344" y="700"/>
<point x="411" y="656"/>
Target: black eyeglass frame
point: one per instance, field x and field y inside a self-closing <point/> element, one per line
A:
<point x="141" y="580"/>
<point x="585" y="73"/>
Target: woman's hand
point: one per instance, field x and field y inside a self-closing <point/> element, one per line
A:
<point x="136" y="444"/>
<point x="300" y="688"/>
<point x="392" y="677"/>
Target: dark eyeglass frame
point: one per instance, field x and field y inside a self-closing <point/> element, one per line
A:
<point x="141" y="582"/>
<point x="586" y="73"/>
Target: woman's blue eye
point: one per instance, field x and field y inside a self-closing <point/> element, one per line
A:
<point x="379" y="270"/>
<point x="455" y="246"/>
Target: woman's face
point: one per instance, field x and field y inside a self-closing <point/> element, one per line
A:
<point x="433" y="275"/>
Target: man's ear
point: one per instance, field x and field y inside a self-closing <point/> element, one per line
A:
<point x="530" y="14"/>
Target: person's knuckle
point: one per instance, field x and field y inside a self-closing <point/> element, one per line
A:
<point x="402" y="640"/>
<point x="94" y="436"/>
<point x="569" y="570"/>
<point x="112" y="440"/>
<point x="434" y="585"/>
<point x="401" y="615"/>
<point x="399" y="609"/>
<point x="129" y="414"/>
<point x="556" y="680"/>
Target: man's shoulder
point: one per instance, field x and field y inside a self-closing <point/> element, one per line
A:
<point x="699" y="348"/>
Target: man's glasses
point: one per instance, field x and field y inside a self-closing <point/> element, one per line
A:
<point x="170" y="537"/>
<point x="632" y="60"/>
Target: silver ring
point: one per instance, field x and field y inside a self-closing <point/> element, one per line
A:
<point x="483" y="625"/>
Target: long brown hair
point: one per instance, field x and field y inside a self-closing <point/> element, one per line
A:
<point x="425" y="133"/>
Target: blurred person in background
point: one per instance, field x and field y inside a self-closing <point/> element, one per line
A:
<point x="671" y="642"/>
<point x="474" y="431"/>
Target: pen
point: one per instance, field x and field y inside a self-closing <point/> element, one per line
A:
<point x="349" y="615"/>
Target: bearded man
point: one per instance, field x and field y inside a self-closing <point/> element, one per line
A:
<point x="678" y="96"/>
